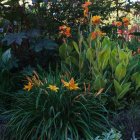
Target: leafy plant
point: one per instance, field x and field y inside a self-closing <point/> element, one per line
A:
<point x="27" y="48"/>
<point x="45" y="114"/>
<point x="7" y="61"/>
<point x="102" y="63"/>
<point x="12" y="38"/>
<point x="111" y="135"/>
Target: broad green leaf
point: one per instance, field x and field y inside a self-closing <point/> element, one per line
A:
<point x="103" y="58"/>
<point x="6" y="56"/>
<point x="125" y="89"/>
<point x="106" y="42"/>
<point x="81" y="61"/>
<point x="120" y="71"/>
<point x="14" y="38"/>
<point x="136" y="78"/>
<point x="41" y="44"/>
<point x="85" y="44"/>
<point x="62" y="51"/>
<point x="90" y="54"/>
<point x="95" y="70"/>
<point x="98" y="43"/>
<point x="123" y="57"/>
<point x="76" y="47"/>
<point x="118" y="87"/>
<point x="71" y="60"/>
<point x="121" y="90"/>
<point x="114" y="53"/>
<point x="65" y="50"/>
<point x="113" y="61"/>
<point x="99" y="82"/>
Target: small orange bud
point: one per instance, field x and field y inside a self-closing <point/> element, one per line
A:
<point x="86" y="12"/>
<point x="93" y="35"/>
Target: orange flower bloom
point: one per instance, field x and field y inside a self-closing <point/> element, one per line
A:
<point x="125" y="21"/>
<point x="93" y="35"/>
<point x="66" y="84"/>
<point x="68" y="32"/>
<point x="65" y="30"/>
<point x="28" y="87"/>
<point x="96" y="20"/>
<point x="86" y="4"/>
<point x="118" y="23"/>
<point x="53" y="88"/>
<point x="71" y="85"/>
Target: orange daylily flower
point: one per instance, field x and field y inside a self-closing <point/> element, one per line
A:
<point x="53" y="88"/>
<point x="71" y="85"/>
<point x="118" y="23"/>
<point x="96" y="20"/>
<point x="28" y="87"/>
<point x="66" y="84"/>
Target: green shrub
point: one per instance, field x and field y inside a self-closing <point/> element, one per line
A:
<point x="103" y="64"/>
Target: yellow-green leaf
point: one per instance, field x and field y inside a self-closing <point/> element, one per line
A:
<point x="120" y="71"/>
